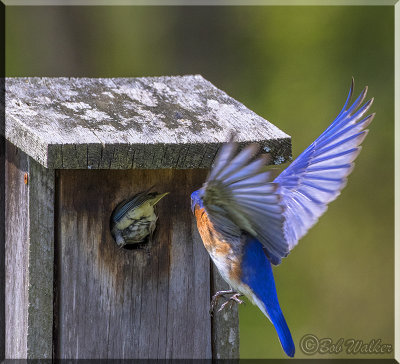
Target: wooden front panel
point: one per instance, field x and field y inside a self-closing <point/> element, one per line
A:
<point x="117" y="303"/>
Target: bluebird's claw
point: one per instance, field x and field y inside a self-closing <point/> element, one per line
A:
<point x="234" y="298"/>
<point x="216" y="297"/>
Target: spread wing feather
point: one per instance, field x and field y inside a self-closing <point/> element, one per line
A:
<point x="240" y="196"/>
<point x="238" y="192"/>
<point x="319" y="174"/>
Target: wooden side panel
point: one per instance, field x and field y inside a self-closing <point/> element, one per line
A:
<point x="16" y="254"/>
<point x="2" y="247"/>
<point x="117" y="303"/>
<point x="29" y="252"/>
<point x="41" y="261"/>
<point x="225" y="324"/>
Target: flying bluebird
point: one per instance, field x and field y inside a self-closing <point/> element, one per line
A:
<point x="134" y="219"/>
<point x="248" y="221"/>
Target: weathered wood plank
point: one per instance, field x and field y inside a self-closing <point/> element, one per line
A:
<point x="117" y="303"/>
<point x="153" y="122"/>
<point x="41" y="261"/>
<point x="16" y="254"/>
<point x="2" y="248"/>
<point x="225" y="324"/>
<point x="29" y="257"/>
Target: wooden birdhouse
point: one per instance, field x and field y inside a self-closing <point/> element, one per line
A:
<point x="76" y="147"/>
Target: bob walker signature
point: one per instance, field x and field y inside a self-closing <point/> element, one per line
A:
<point x="310" y="345"/>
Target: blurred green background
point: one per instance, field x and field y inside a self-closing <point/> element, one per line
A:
<point x="293" y="66"/>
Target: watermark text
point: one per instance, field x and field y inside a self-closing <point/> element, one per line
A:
<point x="311" y="344"/>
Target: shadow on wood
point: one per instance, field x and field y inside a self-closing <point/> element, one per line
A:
<point x="117" y="303"/>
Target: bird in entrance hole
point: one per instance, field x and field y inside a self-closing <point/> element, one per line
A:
<point x="248" y="220"/>
<point x="134" y="219"/>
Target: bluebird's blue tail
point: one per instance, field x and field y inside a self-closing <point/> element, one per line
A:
<point x="283" y="331"/>
<point x="257" y="274"/>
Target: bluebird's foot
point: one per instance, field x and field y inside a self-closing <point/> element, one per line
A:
<point x="216" y="297"/>
<point x="234" y="298"/>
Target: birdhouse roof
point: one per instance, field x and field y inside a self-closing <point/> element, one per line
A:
<point x="124" y="123"/>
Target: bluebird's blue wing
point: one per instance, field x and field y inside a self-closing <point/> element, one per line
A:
<point x="239" y="195"/>
<point x="318" y="175"/>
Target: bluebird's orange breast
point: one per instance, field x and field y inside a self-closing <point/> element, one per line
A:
<point x="223" y="253"/>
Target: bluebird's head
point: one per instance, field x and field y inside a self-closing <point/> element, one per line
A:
<point x="196" y="197"/>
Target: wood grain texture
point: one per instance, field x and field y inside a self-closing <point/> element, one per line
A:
<point x="2" y="248"/>
<point x="41" y="261"/>
<point x="225" y="324"/>
<point x="28" y="257"/>
<point x="124" y="123"/>
<point x="2" y="210"/>
<point x="118" y="303"/>
<point x="16" y="254"/>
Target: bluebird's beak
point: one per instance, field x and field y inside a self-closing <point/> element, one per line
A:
<point x="193" y="203"/>
<point x="196" y="199"/>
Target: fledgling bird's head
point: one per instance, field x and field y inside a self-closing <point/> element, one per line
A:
<point x="135" y="219"/>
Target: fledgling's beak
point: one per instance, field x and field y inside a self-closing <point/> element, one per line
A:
<point x="158" y="197"/>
